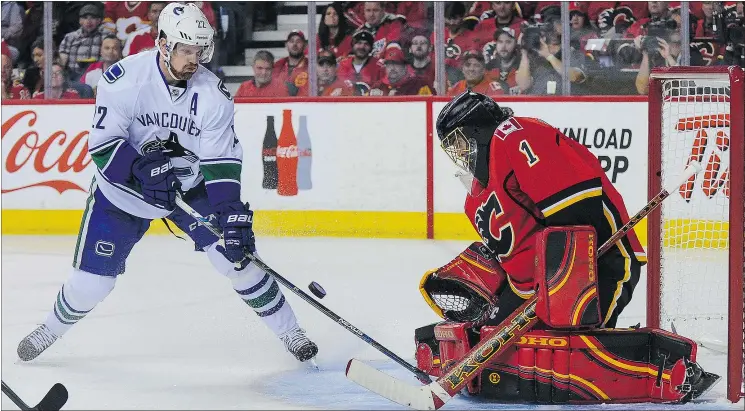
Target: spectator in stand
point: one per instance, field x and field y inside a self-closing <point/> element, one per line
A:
<point x="461" y="33"/>
<point x="11" y="91"/>
<point x="354" y="11"/>
<point x="476" y="78"/>
<point x="421" y="53"/>
<point x="658" y="11"/>
<point x="333" y="32"/>
<point x="33" y="78"/>
<point x="541" y="69"/>
<point x="5" y="49"/>
<point x="363" y="70"/>
<point x="329" y="84"/>
<point x="385" y="27"/>
<point x="601" y="14"/>
<point x="580" y="27"/>
<point x="144" y="38"/>
<point x="59" y="89"/>
<point x="293" y="69"/>
<point x="506" y="59"/>
<point x="123" y="18"/>
<point x="263" y="84"/>
<point x="12" y="26"/>
<point x="705" y="26"/>
<point x="709" y="50"/>
<point x="82" y="46"/>
<point x="668" y="54"/>
<point x="400" y="80"/>
<point x="111" y="52"/>
<point x="416" y="13"/>
<point x="502" y="14"/>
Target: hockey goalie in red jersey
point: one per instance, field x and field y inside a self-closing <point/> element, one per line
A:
<point x="542" y="205"/>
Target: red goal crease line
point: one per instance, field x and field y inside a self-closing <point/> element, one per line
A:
<point x="705" y="121"/>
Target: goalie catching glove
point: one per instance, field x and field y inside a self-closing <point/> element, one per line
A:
<point x="466" y="288"/>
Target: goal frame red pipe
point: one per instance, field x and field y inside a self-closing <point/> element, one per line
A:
<point x="735" y="316"/>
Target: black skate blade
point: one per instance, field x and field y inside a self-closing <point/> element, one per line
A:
<point x="312" y="365"/>
<point x="54" y="400"/>
<point x="704" y="384"/>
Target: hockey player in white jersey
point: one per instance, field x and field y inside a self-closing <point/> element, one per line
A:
<point x="163" y="123"/>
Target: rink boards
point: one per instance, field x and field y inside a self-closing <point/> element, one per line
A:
<point x="376" y="166"/>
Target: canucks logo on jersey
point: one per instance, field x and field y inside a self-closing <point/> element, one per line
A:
<point x="174" y="150"/>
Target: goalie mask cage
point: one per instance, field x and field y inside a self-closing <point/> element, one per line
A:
<point x="695" y="239"/>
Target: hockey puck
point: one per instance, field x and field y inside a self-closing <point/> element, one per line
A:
<point x="316" y="289"/>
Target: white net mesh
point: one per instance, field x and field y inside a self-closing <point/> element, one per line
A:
<point x="695" y="220"/>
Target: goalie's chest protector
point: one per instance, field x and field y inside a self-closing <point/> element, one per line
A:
<point x="503" y="216"/>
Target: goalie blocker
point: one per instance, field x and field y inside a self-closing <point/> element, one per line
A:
<point x="565" y="358"/>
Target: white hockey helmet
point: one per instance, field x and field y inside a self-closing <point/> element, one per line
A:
<point x="186" y="24"/>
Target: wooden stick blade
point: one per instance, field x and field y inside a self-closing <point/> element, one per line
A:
<point x="416" y="397"/>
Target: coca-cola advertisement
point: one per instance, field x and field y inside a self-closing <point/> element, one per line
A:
<point x="45" y="150"/>
<point x="287" y="160"/>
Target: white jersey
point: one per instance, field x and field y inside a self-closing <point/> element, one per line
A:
<point x="193" y="126"/>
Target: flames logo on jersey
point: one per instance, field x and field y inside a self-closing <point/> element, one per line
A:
<point x="452" y="50"/>
<point x="707" y="50"/>
<point x="486" y="221"/>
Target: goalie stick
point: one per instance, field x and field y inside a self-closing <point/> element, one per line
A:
<point x="421" y="375"/>
<point x="434" y="395"/>
<point x="53" y="401"/>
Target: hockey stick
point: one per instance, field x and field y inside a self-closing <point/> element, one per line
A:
<point x="53" y="401"/>
<point x="421" y="375"/>
<point x="711" y="344"/>
<point x="436" y="394"/>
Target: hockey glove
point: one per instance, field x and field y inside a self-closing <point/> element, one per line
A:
<point x="158" y="183"/>
<point x="236" y="220"/>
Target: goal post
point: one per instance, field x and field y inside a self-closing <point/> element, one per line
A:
<point x="695" y="242"/>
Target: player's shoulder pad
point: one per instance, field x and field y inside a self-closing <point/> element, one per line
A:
<point x="127" y="74"/>
<point x="207" y="81"/>
<point x="512" y="125"/>
<point x="221" y="103"/>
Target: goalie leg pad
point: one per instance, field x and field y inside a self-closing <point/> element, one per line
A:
<point x="601" y="366"/>
<point x="566" y="277"/>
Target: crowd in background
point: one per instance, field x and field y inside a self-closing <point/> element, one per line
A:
<point x="387" y="48"/>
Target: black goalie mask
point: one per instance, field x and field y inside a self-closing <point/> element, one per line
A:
<point x="465" y="128"/>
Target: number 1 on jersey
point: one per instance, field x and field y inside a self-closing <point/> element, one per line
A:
<point x="527" y="151"/>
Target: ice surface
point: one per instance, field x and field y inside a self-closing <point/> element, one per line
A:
<point x="173" y="334"/>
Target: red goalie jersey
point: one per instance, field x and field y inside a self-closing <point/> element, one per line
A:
<point x="538" y="177"/>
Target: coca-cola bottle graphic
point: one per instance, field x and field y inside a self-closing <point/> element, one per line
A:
<point x="269" y="155"/>
<point x="305" y="154"/>
<point x="287" y="157"/>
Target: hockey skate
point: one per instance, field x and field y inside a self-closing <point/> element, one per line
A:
<point x="699" y="381"/>
<point x="35" y="343"/>
<point x="299" y="345"/>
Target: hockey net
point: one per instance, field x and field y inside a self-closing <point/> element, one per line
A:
<point x="695" y="242"/>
